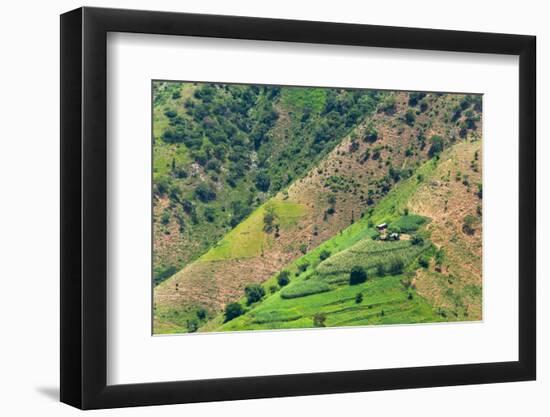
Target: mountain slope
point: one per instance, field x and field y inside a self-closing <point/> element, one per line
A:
<point x="442" y="288"/>
<point x="345" y="186"/>
<point x="220" y="151"/>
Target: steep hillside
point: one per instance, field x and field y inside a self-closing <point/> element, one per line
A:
<point x="453" y="200"/>
<point x="220" y="151"/>
<point x="432" y="274"/>
<point x="343" y="188"/>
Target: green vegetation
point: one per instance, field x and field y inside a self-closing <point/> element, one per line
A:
<point x="408" y="223"/>
<point x="368" y="254"/>
<point x="357" y="275"/>
<point x="277" y="192"/>
<point x="224" y="150"/>
<point x="233" y="310"/>
<point x="283" y="278"/>
<point x="250" y="236"/>
<point x="321" y="288"/>
<point x="436" y="146"/>
<point x="468" y="226"/>
<point x="340" y="308"/>
<point x="254" y="293"/>
<point x="301" y="289"/>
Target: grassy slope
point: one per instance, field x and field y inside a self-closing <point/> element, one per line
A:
<point x="248" y="239"/>
<point x="220" y="275"/>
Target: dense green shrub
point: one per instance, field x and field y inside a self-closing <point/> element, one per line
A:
<point x="325" y="254"/>
<point x="283" y="278"/>
<point x="205" y="193"/>
<point x="319" y="319"/>
<point x="357" y="275"/>
<point x="210" y="214"/>
<point x="302" y="267"/>
<point x="371" y="134"/>
<point x="457" y="114"/>
<point x="233" y="310"/>
<point x="410" y="118"/>
<point x="213" y="165"/>
<point x="468" y="225"/>
<point x="263" y="181"/>
<point x="201" y="313"/>
<point x="417" y="240"/>
<point x="415" y="97"/>
<point x="388" y="105"/>
<point x="269" y="218"/>
<point x="436" y="146"/>
<point x="254" y="293"/>
<point x="192" y="325"/>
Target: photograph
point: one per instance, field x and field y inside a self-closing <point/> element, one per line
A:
<point x="284" y="207"/>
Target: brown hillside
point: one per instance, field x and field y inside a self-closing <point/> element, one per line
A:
<point x="450" y="196"/>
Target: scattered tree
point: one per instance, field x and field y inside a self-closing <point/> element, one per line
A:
<point x="436" y="146"/>
<point x="415" y="97"/>
<point x="254" y="293"/>
<point x="210" y="214"/>
<point x="192" y="325"/>
<point x="357" y="275"/>
<point x="201" y="313"/>
<point x="263" y="181"/>
<point x="424" y="261"/>
<point x="205" y="193"/>
<point x="325" y="254"/>
<point x="303" y="266"/>
<point x="283" y="278"/>
<point x="319" y="319"/>
<point x="269" y="218"/>
<point x="396" y="266"/>
<point x="410" y="118"/>
<point x="233" y="310"/>
<point x="371" y="134"/>
<point x="468" y="225"/>
<point x="165" y="218"/>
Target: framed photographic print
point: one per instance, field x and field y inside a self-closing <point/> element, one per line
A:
<point x="256" y="208"/>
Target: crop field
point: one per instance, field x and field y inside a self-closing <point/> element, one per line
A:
<point x="384" y="301"/>
<point x="301" y="207"/>
<point x="370" y="255"/>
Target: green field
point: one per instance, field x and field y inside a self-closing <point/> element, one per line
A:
<point x="385" y="301"/>
<point x="249" y="238"/>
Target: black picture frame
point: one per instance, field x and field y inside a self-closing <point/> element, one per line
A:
<point x="84" y="207"/>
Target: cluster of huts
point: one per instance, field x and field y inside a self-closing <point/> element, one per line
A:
<point x="385" y="234"/>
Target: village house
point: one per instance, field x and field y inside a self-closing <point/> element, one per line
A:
<point x="381" y="227"/>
